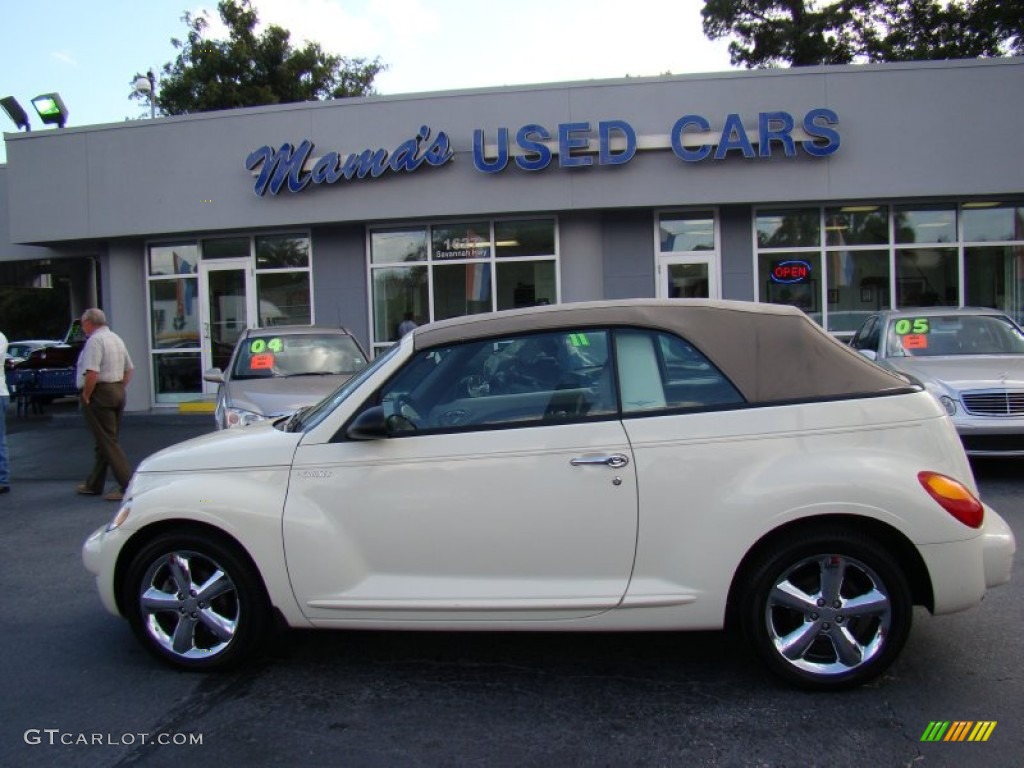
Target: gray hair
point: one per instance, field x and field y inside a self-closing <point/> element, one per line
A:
<point x="95" y="316"/>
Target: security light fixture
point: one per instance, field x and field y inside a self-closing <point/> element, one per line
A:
<point x="15" y="112"/>
<point x="51" y="109"/>
<point x="145" y="85"/>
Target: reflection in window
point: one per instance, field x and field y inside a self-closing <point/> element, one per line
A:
<point x="177" y="259"/>
<point x="282" y="251"/>
<point x="283" y="298"/>
<point x="858" y="284"/>
<point x="461" y="241"/>
<point x="176" y="376"/>
<point x="462" y="289"/>
<point x="988" y="222"/>
<point x="796" y="228"/>
<point x="226" y="248"/>
<point x="857" y="225"/>
<point x="391" y="246"/>
<point x="691" y="231"/>
<point x="524" y="237"/>
<point x="525" y="284"/>
<point x="927" y="277"/>
<point x="933" y="224"/>
<point x="994" y="277"/>
<point x="398" y="291"/>
<point x="174" y="309"/>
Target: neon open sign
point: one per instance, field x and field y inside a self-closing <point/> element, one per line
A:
<point x="791" y="272"/>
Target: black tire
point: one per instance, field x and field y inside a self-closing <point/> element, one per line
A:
<point x="827" y="611"/>
<point x="186" y="614"/>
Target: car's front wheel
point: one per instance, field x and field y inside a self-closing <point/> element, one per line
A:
<point x="827" y="610"/>
<point x="195" y="602"/>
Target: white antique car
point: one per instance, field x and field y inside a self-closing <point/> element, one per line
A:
<point x="630" y="465"/>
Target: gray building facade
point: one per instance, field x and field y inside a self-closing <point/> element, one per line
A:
<point x="841" y="190"/>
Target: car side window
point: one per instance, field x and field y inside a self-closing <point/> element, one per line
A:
<point x="530" y="380"/>
<point x="660" y="371"/>
<point x="867" y="336"/>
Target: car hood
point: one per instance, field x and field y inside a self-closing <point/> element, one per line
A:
<point x="966" y="372"/>
<point x="261" y="445"/>
<point x="280" y="396"/>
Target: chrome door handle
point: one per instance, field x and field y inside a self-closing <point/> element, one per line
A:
<point x="614" y="460"/>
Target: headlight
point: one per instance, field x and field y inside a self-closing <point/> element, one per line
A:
<point x="238" y="417"/>
<point x="949" y="404"/>
<point x="941" y="394"/>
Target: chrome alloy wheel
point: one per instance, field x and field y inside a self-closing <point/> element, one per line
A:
<point x="828" y="615"/>
<point x="189" y="605"/>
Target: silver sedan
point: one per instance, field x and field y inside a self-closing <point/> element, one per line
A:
<point x="972" y="360"/>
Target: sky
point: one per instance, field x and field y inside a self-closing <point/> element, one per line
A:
<point x="90" y="52"/>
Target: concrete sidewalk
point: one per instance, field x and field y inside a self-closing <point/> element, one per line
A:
<point x="57" y="445"/>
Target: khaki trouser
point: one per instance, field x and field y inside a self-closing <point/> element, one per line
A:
<point x="103" y="415"/>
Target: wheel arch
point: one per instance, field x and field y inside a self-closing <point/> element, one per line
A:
<point x="894" y="541"/>
<point x="144" y="536"/>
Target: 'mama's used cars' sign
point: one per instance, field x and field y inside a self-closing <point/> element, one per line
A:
<point x="533" y="148"/>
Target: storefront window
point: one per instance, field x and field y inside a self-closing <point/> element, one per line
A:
<point x="994" y="277"/>
<point x="794" y="228"/>
<point x="689" y="231"/>
<point x="857" y="225"/>
<point x="174" y="309"/>
<point x="393" y="246"/>
<point x="283" y="298"/>
<point x="858" y="284"/>
<point x="467" y="268"/>
<point x="399" y="293"/>
<point x="925" y="224"/>
<point x="462" y="289"/>
<point x="177" y="259"/>
<point x="282" y="251"/>
<point x="226" y="247"/>
<point x="524" y="237"/>
<point x="792" y="278"/>
<point x="526" y="284"/>
<point x="927" y="277"/>
<point x="461" y="241"/>
<point x="989" y="222"/>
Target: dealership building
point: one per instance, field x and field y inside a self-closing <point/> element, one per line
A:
<point x="840" y="190"/>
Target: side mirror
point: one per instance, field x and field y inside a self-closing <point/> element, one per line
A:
<point x="215" y="375"/>
<point x="870" y="354"/>
<point x="371" y="424"/>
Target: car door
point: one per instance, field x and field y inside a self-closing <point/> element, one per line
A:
<point x="505" y="491"/>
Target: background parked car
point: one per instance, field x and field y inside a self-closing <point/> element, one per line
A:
<point x="275" y="371"/>
<point x="18" y="351"/>
<point x="643" y="465"/>
<point x="972" y="360"/>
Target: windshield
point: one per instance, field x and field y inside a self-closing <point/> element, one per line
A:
<point x="302" y="354"/>
<point x="949" y="335"/>
<point x="309" y="418"/>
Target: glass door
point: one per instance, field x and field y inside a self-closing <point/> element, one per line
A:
<point x="229" y="307"/>
<point x="686" y="279"/>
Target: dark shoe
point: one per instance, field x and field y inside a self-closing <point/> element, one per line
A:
<point x="115" y="495"/>
<point x="85" y="490"/>
<point x="5" y="489"/>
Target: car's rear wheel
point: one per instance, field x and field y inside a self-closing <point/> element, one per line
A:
<point x="195" y="602"/>
<point x="827" y="611"/>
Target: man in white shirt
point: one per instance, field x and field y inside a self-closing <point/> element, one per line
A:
<point x="104" y="370"/>
<point x="5" y="398"/>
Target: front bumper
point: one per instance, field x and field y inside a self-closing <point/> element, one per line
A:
<point x="99" y="554"/>
<point x="991" y="435"/>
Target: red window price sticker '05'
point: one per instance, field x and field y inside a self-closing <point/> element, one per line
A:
<point x="261" y="362"/>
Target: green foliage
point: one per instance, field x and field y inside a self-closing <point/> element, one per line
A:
<point x="249" y="70"/>
<point x="769" y="33"/>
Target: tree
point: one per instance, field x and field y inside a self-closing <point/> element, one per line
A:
<point x="803" y="32"/>
<point x="248" y="70"/>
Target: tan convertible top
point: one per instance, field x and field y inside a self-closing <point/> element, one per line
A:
<point x="769" y="352"/>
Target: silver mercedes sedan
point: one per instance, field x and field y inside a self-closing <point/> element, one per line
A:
<point x="972" y="360"/>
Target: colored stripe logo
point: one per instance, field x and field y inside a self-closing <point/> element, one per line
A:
<point x="958" y="730"/>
